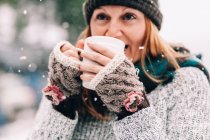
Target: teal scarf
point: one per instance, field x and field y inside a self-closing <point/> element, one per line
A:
<point x="161" y="69"/>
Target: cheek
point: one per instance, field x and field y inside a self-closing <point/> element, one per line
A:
<point x="97" y="30"/>
<point x="140" y="32"/>
<point x="136" y="36"/>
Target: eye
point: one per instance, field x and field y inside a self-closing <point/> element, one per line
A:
<point x="129" y="16"/>
<point x="102" y="17"/>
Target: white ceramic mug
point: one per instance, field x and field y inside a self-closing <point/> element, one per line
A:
<point x="111" y="43"/>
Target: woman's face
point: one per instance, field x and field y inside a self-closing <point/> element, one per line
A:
<point x="126" y="24"/>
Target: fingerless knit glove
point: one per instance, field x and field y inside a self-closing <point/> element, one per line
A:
<point x="119" y="87"/>
<point x="65" y="83"/>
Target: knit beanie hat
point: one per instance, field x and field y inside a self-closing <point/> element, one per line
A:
<point x="150" y="8"/>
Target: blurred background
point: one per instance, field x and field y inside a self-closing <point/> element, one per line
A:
<point x="29" y="29"/>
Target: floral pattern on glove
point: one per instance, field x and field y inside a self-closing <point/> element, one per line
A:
<point x="54" y="94"/>
<point x="133" y="100"/>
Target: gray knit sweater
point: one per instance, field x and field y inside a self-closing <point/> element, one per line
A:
<point x="179" y="110"/>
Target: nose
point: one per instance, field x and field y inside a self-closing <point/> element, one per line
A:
<point x="114" y="29"/>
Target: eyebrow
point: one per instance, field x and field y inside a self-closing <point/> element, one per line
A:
<point x="101" y="8"/>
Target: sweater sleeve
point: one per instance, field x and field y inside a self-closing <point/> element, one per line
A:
<point x="180" y="110"/>
<point x="51" y="125"/>
<point x="142" y="125"/>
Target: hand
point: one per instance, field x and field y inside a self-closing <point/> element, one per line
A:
<point x="101" y="55"/>
<point x="63" y="69"/>
<point x="65" y="86"/>
<point x="119" y="87"/>
<point x="73" y="52"/>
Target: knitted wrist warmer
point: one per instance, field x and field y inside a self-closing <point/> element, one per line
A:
<point x="119" y="87"/>
<point x="64" y="73"/>
<point x="65" y="83"/>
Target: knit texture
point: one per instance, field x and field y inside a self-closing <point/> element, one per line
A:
<point x="64" y="73"/>
<point x="110" y="67"/>
<point x="115" y="85"/>
<point x="48" y="122"/>
<point x="93" y="128"/>
<point x="149" y="7"/>
<point x="180" y="110"/>
<point x="182" y="106"/>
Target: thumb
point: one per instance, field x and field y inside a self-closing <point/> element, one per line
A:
<point x="80" y="44"/>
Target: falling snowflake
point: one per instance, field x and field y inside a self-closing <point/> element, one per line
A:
<point x="25" y="12"/>
<point x="32" y="67"/>
<point x="65" y="25"/>
<point x="23" y="58"/>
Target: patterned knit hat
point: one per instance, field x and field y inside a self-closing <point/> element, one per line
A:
<point x="150" y="8"/>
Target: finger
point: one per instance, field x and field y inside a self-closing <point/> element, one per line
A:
<point x="90" y="68"/>
<point x="96" y="57"/>
<point x="87" y="76"/>
<point x="66" y="47"/>
<point x="71" y="56"/>
<point x="80" y="44"/>
<point x="79" y="47"/>
<point x="71" y="53"/>
<point x="102" y="50"/>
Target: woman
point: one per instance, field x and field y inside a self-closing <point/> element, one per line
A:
<point x="155" y="91"/>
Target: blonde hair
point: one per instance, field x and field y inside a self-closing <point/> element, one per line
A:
<point x="154" y="46"/>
